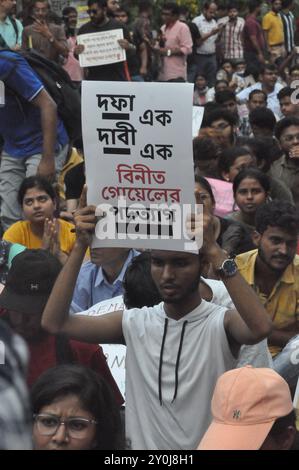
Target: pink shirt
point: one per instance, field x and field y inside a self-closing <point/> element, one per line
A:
<point x="175" y="66"/>
<point x="72" y="65"/>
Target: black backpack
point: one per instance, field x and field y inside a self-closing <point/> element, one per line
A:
<point x="60" y="87"/>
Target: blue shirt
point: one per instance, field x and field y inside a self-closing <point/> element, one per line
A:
<point x="20" y="121"/>
<point x="92" y="286"/>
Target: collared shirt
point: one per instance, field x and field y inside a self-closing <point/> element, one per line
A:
<point x="231" y="38"/>
<point x="272" y="101"/>
<point x="7" y="31"/>
<point x="288" y="29"/>
<point x="272" y="24"/>
<point x="204" y="27"/>
<point x="282" y="304"/>
<point x="287" y="170"/>
<point x="175" y="66"/>
<point x="92" y="286"/>
<point x="42" y="44"/>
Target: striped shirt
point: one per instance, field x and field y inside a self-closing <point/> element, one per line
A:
<point x="288" y="28"/>
<point x="231" y="38"/>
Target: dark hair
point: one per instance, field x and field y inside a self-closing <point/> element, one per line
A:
<point x="232" y="5"/>
<point x="94" y="395"/>
<point x="224" y="95"/>
<point x="253" y="4"/>
<point x="258" y="92"/>
<point x="277" y="213"/>
<point x="284" y="124"/>
<point x="100" y="3"/>
<point x="286" y="91"/>
<point x="67" y="10"/>
<point x="139" y="287"/>
<point x="263" y="118"/>
<point x="204" y="149"/>
<point x="286" y="3"/>
<point x="229" y="156"/>
<point x="266" y="150"/>
<point x="207" y="5"/>
<point x="206" y="185"/>
<point x="252" y="173"/>
<point x="267" y="66"/>
<point x="217" y="114"/>
<point x="36" y="182"/>
<point x="173" y="7"/>
<point x="222" y="80"/>
<point x="281" y="424"/>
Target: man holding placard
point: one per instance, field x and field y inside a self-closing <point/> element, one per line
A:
<point x="102" y="45"/>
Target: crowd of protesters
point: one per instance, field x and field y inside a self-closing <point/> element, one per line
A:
<point x="211" y="339"/>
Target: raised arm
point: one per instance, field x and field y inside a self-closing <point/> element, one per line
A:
<point x="249" y="323"/>
<point x="56" y="318"/>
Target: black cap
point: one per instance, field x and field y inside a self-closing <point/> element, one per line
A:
<point x="30" y="281"/>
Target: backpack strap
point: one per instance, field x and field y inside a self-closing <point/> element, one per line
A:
<point x="15" y="27"/>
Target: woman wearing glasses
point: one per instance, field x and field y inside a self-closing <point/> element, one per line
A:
<point x="74" y="409"/>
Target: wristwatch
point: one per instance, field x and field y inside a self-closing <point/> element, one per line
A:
<point x="168" y="52"/>
<point x="228" y="268"/>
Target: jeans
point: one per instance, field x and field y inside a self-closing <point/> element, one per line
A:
<point x="12" y="173"/>
<point x="207" y="66"/>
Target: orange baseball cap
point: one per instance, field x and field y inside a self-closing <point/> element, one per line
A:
<point x="245" y="404"/>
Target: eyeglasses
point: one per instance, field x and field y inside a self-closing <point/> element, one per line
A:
<point x="48" y="425"/>
<point x="92" y="12"/>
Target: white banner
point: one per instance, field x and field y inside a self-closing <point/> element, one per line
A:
<point x="139" y="164"/>
<point x="101" y="48"/>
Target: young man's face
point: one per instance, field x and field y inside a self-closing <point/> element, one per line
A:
<point x="223" y="128"/>
<point x="41" y="10"/>
<point x="289" y="138"/>
<point x="167" y="17"/>
<point x="121" y="16"/>
<point x="112" y="6"/>
<point x="276" y="6"/>
<point x="72" y="19"/>
<point x="175" y="274"/>
<point x="97" y="14"/>
<point x="276" y="248"/>
<point x="231" y="106"/>
<point x="232" y="14"/>
<point x="257" y="101"/>
<point x="269" y="78"/>
<point x="8" y="6"/>
<point x="287" y="107"/>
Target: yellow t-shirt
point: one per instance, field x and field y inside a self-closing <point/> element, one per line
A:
<point x="272" y="23"/>
<point x="21" y="232"/>
<point x="283" y="303"/>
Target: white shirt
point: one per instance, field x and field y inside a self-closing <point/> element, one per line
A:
<point x="204" y="27"/>
<point x="272" y="100"/>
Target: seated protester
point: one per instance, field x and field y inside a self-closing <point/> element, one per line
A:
<point x="41" y="229"/>
<point x="15" y="416"/>
<point x="287" y="105"/>
<point x="101" y="278"/>
<point x="227" y="72"/>
<point x="264" y="420"/>
<point x="228" y="234"/>
<point x="80" y="399"/>
<point x="200" y="90"/>
<point x="205" y="155"/>
<point x="256" y="99"/>
<point x="273" y="271"/>
<point x="219" y="86"/>
<point x="262" y="122"/>
<point x="286" y="167"/>
<point x="224" y="123"/>
<point x="232" y="161"/>
<point x="251" y="190"/>
<point x="29" y="283"/>
<point x="227" y="99"/>
<point x="293" y="74"/>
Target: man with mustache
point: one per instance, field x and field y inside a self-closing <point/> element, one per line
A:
<point x="273" y="272"/>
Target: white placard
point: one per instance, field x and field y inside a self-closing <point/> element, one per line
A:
<point x="101" y="48"/>
<point x="115" y="353"/>
<point x="139" y="163"/>
<point x="197" y="119"/>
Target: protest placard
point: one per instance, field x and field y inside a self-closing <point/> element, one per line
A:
<point x="139" y="165"/>
<point x="101" y="48"/>
<point x="197" y="118"/>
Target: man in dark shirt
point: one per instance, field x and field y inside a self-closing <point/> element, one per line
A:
<point x="254" y="42"/>
<point x="99" y="22"/>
